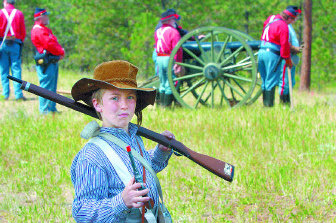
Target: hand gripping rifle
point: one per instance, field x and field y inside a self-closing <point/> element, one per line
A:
<point x="218" y="167"/>
<point x="138" y="177"/>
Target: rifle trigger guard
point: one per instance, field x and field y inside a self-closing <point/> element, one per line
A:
<point x="176" y="153"/>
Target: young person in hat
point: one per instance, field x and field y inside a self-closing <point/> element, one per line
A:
<point x="50" y="52"/>
<point x="295" y="49"/>
<point x="102" y="192"/>
<point x="166" y="37"/>
<point x="274" y="54"/>
<point x="12" y="36"/>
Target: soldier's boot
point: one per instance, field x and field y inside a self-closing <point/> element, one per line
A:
<point x="282" y="99"/>
<point x="269" y="98"/>
<point x="264" y="96"/>
<point x="168" y="100"/>
<point x="285" y="99"/>
<point x="288" y="99"/>
<point x="162" y="99"/>
<point x="158" y="98"/>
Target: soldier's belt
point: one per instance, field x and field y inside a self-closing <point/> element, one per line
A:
<point x="271" y="50"/>
<point x="163" y="55"/>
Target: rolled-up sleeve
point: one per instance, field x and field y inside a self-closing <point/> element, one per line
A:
<point x="159" y="158"/>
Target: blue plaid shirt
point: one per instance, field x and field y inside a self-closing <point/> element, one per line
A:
<point x="98" y="187"/>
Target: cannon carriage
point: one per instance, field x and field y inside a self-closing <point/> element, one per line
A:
<point x="220" y="69"/>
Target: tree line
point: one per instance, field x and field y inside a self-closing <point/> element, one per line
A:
<point x="93" y="31"/>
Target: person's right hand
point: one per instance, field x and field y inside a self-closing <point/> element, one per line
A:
<point x="201" y="36"/>
<point x="62" y="56"/>
<point x="133" y="198"/>
<point x="296" y="49"/>
<point x="178" y="70"/>
<point x="289" y="63"/>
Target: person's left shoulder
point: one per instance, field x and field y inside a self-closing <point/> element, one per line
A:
<point x="132" y="129"/>
<point x="19" y="12"/>
<point x="174" y="30"/>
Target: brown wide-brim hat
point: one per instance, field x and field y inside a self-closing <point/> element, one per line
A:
<point x="119" y="74"/>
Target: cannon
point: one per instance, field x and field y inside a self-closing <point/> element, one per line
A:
<point x="221" y="69"/>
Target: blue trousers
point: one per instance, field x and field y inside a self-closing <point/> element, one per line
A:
<point x="10" y="57"/>
<point x="154" y="57"/>
<point x="284" y="83"/>
<point x="270" y="68"/>
<point x="162" y="68"/>
<point x="48" y="80"/>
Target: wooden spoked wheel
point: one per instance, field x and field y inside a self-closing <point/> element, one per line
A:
<point x="221" y="69"/>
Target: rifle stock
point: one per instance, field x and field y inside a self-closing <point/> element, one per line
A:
<point x="218" y="167"/>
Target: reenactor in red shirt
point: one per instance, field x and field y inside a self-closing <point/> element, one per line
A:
<point x="48" y="53"/>
<point x="166" y="37"/>
<point x="12" y="36"/>
<point x="274" y="54"/>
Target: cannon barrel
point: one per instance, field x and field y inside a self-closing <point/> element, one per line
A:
<point x="206" y="46"/>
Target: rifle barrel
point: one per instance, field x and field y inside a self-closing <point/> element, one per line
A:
<point x="218" y="167"/>
<point x="14" y="79"/>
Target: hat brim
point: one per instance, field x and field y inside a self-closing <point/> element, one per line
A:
<point x="175" y="16"/>
<point x="287" y="12"/>
<point x="46" y="13"/>
<point x="83" y="89"/>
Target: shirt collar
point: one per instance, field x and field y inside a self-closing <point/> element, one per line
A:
<point x="10" y="6"/>
<point x="165" y="25"/>
<point x="132" y="130"/>
<point x="40" y="24"/>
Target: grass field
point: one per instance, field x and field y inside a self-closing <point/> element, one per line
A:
<point x="285" y="160"/>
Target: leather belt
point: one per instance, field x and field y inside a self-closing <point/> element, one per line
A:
<point x="163" y="55"/>
<point x="271" y="50"/>
<point x="8" y="38"/>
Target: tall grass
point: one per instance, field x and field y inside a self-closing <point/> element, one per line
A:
<point x="285" y="161"/>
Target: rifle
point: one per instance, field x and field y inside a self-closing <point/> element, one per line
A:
<point x="218" y="167"/>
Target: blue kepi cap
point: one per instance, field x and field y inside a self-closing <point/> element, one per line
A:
<point x="39" y="12"/>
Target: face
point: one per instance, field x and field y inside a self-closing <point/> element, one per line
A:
<point x="116" y="107"/>
<point x="290" y="20"/>
<point x="45" y="19"/>
<point x="172" y="21"/>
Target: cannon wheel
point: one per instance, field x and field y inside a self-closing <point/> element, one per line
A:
<point x="257" y="90"/>
<point x="217" y="77"/>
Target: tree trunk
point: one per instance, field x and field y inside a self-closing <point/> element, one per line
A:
<point x="246" y="22"/>
<point x="163" y="4"/>
<point x="306" y="54"/>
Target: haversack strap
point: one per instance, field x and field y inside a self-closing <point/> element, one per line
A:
<point x="137" y="156"/>
<point x="120" y="168"/>
<point x="265" y="33"/>
<point x="91" y="130"/>
<point x="9" y="24"/>
<point x="114" y="158"/>
<point x="161" y="40"/>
